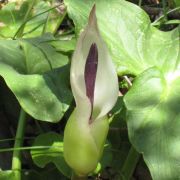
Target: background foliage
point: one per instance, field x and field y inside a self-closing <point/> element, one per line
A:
<point x="37" y="39"/>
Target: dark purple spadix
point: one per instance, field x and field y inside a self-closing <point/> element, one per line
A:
<point x="90" y="73"/>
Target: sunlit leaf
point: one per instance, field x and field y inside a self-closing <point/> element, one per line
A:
<point x="7" y="175"/>
<point x="12" y="17"/>
<point x="26" y="66"/>
<point x="154" y="121"/>
<point x="64" y="45"/>
<point x="134" y="43"/>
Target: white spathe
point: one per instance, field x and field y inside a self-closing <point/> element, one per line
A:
<point x="106" y="84"/>
<point x="84" y="141"/>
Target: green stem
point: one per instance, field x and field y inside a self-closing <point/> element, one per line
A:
<point x="140" y="3"/>
<point x="16" y="159"/>
<point x="130" y="164"/>
<point x="21" y="30"/>
<point x="45" y="24"/>
<point x="164" y="2"/>
<point x="76" y="177"/>
<point x="33" y="17"/>
<point x="156" y="22"/>
<point x="30" y="148"/>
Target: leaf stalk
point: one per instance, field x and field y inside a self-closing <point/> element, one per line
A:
<point x="130" y="164"/>
<point x="16" y="159"/>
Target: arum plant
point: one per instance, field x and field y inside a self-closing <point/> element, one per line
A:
<point x="94" y="85"/>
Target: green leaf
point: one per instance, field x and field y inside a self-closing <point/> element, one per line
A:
<point x="26" y="67"/>
<point x="177" y="3"/>
<point x="7" y="175"/>
<point x="154" y="121"/>
<point x="54" y="154"/>
<point x="39" y="49"/>
<point x="64" y="45"/>
<point x="13" y="14"/>
<point x="134" y="43"/>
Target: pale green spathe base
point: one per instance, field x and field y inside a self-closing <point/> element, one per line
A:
<point x="83" y="143"/>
